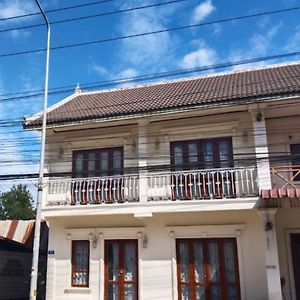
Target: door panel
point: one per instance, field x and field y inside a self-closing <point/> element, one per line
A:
<point x="295" y="247"/>
<point x="121" y="270"/>
<point x="207" y="269"/>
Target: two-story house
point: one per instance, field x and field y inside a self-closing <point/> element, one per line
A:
<point x="185" y="189"/>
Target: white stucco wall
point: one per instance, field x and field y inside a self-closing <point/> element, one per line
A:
<point x="156" y="260"/>
<point x="287" y="221"/>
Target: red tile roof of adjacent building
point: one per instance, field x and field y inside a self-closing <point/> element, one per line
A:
<point x="232" y="87"/>
<point x="280" y="193"/>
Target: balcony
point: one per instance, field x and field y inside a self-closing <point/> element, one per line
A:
<point x="285" y="191"/>
<point x="162" y="186"/>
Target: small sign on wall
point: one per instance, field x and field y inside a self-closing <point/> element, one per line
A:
<point x="50" y="252"/>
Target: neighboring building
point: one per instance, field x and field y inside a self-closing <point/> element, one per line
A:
<point x="184" y="189"/>
<point x="16" y="241"/>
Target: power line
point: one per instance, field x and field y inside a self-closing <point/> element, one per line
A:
<point x="93" y="16"/>
<point x="56" y="10"/>
<point x="112" y="39"/>
<point x="152" y="76"/>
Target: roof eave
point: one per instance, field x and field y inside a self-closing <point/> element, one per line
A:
<point x="209" y="105"/>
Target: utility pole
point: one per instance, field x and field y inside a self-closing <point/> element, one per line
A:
<point x="40" y="186"/>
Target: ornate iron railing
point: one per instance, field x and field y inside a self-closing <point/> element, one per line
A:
<point x="177" y="185"/>
<point x="203" y="184"/>
<point x="114" y="189"/>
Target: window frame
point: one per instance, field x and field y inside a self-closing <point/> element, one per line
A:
<point x="200" y="156"/>
<point x="87" y="242"/>
<point x="97" y="152"/>
<point x="294" y="160"/>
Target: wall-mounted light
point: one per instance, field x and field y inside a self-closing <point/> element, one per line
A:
<point x="268" y="226"/>
<point x="145" y="241"/>
<point x="93" y="240"/>
<point x="259" y="117"/>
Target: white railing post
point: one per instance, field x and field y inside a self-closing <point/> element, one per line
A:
<point x="261" y="149"/>
<point x="142" y="160"/>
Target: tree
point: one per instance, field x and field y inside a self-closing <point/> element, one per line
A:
<point x="16" y="204"/>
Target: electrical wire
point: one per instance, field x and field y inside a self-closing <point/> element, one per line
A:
<point x="56" y="10"/>
<point x="93" y="16"/>
<point x="153" y="76"/>
<point x="118" y="38"/>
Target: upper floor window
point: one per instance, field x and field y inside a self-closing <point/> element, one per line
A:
<point x="295" y="158"/>
<point x="202" y="154"/>
<point x="98" y="162"/>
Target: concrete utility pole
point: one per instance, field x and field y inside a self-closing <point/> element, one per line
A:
<point x="40" y="186"/>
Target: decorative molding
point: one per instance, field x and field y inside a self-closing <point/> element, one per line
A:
<point x="205" y="231"/>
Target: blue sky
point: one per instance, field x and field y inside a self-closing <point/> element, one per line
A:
<point x="236" y="40"/>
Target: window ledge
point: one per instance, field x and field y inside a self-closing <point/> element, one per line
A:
<point x="77" y="290"/>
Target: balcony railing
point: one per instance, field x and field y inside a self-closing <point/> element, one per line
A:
<point x="285" y="177"/>
<point x="178" y="185"/>
<point x="203" y="184"/>
<point x="116" y="189"/>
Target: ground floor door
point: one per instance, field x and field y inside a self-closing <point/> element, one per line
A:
<point x="121" y="270"/>
<point x="207" y="269"/>
<point x="295" y="248"/>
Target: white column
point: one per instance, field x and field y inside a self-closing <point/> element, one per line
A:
<point x="142" y="160"/>
<point x="261" y="149"/>
<point x="271" y="253"/>
<point x="50" y="286"/>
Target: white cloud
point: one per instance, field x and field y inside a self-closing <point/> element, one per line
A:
<point x="150" y="53"/>
<point x="259" y="44"/>
<point x="99" y="70"/>
<point x="127" y="73"/>
<point x="294" y="41"/>
<point x="202" y="57"/>
<point x="202" y="11"/>
<point x="9" y="8"/>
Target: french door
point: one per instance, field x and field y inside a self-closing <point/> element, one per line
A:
<point x="121" y="270"/>
<point x="214" y="155"/>
<point x="104" y="163"/>
<point x="207" y="269"/>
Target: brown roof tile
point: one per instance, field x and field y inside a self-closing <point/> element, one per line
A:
<point x="219" y="88"/>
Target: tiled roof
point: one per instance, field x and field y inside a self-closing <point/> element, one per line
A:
<point x="270" y="81"/>
<point x="280" y="193"/>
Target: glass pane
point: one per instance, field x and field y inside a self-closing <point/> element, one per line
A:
<point x="80" y="263"/>
<point x="91" y="164"/>
<point x="78" y="164"/>
<point x="104" y="163"/>
<point x="231" y="293"/>
<point x="214" y="262"/>
<point x="185" y="293"/>
<point x="178" y="157"/>
<point x="117" y="163"/>
<point x="224" y="151"/>
<point x="184" y="262"/>
<point x="215" y="293"/>
<point x="229" y="262"/>
<point x="200" y="293"/>
<point x="130" y="262"/>
<point x="113" y="292"/>
<point x="113" y="262"/>
<point x="198" y="257"/>
<point x="208" y="154"/>
<point x="193" y="155"/>
<point x="129" y="292"/>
